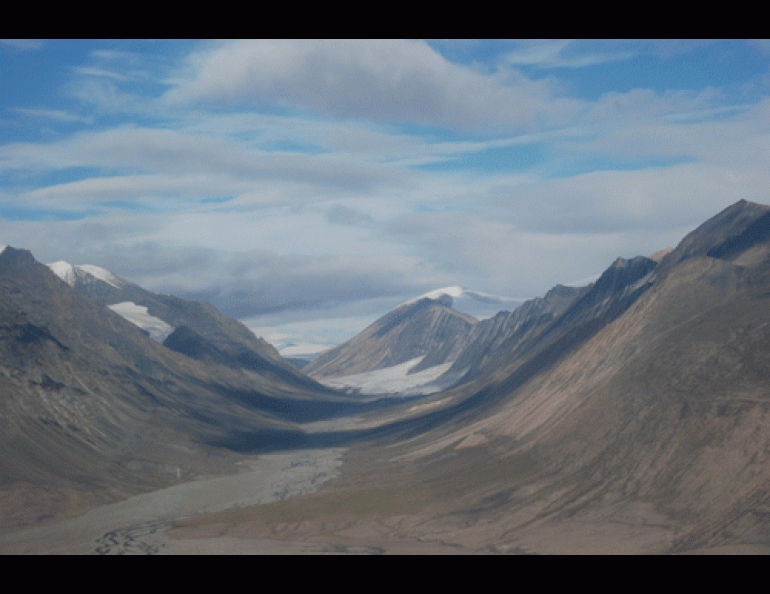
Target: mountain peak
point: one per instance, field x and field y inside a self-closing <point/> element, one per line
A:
<point x="71" y="274"/>
<point x="725" y="235"/>
<point x="12" y="257"/>
<point x="451" y="291"/>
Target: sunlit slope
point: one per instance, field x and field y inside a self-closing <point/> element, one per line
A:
<point x="666" y="406"/>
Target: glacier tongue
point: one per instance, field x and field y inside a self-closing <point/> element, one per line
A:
<point x="396" y="380"/>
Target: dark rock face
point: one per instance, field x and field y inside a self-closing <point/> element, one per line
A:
<point x="223" y="332"/>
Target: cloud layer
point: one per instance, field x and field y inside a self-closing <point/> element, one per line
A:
<point x="319" y="178"/>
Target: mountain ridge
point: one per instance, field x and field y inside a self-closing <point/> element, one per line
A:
<point x="657" y="411"/>
<point x="92" y="409"/>
<point x="409" y="331"/>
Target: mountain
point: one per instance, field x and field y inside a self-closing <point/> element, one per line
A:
<point x="474" y="303"/>
<point x="635" y="420"/>
<point x="414" y="331"/>
<point x="437" y="346"/>
<point x="628" y="416"/>
<point x="92" y="409"/>
<point x="167" y="319"/>
<point x="426" y="343"/>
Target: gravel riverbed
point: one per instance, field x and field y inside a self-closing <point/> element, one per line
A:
<point x="136" y="525"/>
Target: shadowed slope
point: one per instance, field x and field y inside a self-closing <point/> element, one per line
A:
<point x="92" y="409"/>
<point x="660" y="415"/>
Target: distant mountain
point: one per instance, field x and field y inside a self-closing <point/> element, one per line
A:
<point x="491" y="339"/>
<point x="474" y="303"/>
<point x="429" y="340"/>
<point x="412" y="330"/>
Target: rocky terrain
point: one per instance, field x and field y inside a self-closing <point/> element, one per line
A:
<point x="427" y="328"/>
<point x="93" y="410"/>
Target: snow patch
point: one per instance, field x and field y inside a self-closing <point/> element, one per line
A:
<point x="69" y="273"/>
<point x="395" y="380"/>
<point x="2" y="248"/>
<point x="65" y="271"/>
<point x="137" y="314"/>
<point x="102" y="274"/>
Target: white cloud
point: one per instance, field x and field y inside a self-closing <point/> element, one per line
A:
<point x="156" y="162"/>
<point x="390" y="80"/>
<point x="579" y="53"/>
<point x="259" y="210"/>
<point x="555" y="53"/>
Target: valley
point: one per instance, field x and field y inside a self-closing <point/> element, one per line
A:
<point x="631" y="415"/>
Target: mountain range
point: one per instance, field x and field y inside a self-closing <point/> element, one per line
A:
<point x="431" y="341"/>
<point x="629" y="415"/>
<point x="640" y="400"/>
<point x="93" y="407"/>
<point x="644" y="402"/>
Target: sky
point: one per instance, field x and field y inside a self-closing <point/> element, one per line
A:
<point x="306" y="187"/>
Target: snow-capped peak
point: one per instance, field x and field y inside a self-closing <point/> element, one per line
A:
<point x="101" y="274"/>
<point x="453" y="291"/>
<point x="478" y="304"/>
<point x="64" y="270"/>
<point x="69" y="273"/>
<point x="2" y="248"/>
<point x="457" y="292"/>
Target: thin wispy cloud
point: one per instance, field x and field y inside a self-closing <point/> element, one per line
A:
<point x="562" y="54"/>
<point x="22" y="44"/>
<point x="581" y="53"/>
<point x="99" y="72"/>
<point x="54" y="114"/>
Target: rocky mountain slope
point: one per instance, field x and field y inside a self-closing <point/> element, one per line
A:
<point x="643" y="406"/>
<point x="632" y="415"/>
<point x="427" y="328"/>
<point x="427" y="338"/>
<point x="162" y="316"/>
<point x="92" y="408"/>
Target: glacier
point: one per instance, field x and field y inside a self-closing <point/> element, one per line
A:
<point x="396" y="380"/>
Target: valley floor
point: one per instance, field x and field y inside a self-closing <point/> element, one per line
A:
<point x="360" y="499"/>
<point x="137" y="524"/>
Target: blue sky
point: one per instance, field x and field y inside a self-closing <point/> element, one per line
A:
<point x="307" y="186"/>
